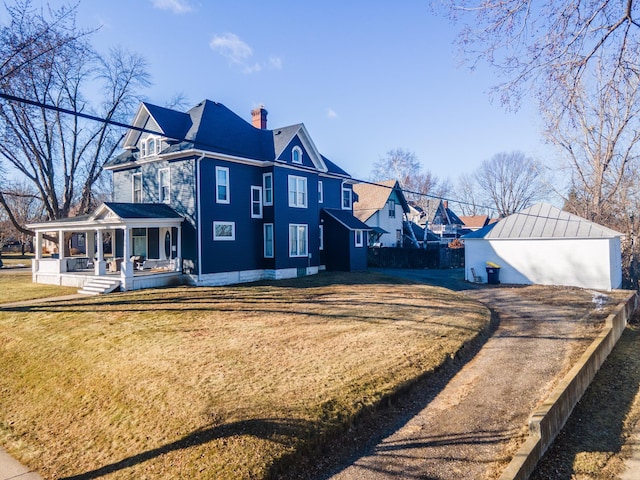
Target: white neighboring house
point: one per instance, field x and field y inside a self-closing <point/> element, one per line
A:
<point x="547" y="246"/>
<point x="381" y="207"/>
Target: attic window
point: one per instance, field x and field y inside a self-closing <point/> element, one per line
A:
<point x="296" y="155"/>
<point x="150" y="146"/>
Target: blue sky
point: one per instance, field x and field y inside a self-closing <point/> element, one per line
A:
<point x="363" y="76"/>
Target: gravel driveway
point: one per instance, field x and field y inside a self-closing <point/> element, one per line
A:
<point x="474" y="424"/>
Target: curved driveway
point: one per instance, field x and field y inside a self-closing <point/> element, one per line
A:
<point x="468" y="430"/>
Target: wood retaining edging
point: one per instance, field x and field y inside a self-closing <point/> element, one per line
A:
<point x="547" y="421"/>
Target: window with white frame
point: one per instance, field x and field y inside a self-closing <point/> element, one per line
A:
<point x="298" y="240"/>
<point x="346" y="198"/>
<point x="268" y="240"/>
<point x="256" y="201"/>
<point x="392" y="208"/>
<point x="267" y="188"/>
<point x="164" y="185"/>
<point x="150" y="146"/>
<point x="224" y="230"/>
<point x="296" y="155"/>
<point x="297" y="191"/>
<point x="321" y="237"/>
<point x="359" y="240"/>
<point x="320" y="192"/>
<point x="222" y="185"/>
<point x="136" y="187"/>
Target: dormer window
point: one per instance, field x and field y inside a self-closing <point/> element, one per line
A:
<point x="150" y="146"/>
<point x="296" y="155"/>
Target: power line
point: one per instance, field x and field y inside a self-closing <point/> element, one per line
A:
<point x="95" y="118"/>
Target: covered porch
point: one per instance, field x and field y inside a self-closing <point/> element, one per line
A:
<point x="140" y="245"/>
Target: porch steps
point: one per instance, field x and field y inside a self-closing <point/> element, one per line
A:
<point x="98" y="286"/>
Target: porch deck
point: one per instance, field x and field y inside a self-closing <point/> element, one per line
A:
<point x="138" y="280"/>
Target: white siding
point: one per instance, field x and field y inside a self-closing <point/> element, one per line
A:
<point x="586" y="263"/>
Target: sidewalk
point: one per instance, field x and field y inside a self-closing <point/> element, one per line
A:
<point x="11" y="469"/>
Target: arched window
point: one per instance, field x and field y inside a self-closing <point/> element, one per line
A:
<point x="296" y="155"/>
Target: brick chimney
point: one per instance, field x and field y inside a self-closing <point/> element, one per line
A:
<point x="259" y="117"/>
<point x="445" y="203"/>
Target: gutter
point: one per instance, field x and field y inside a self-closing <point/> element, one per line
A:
<point x="199" y="210"/>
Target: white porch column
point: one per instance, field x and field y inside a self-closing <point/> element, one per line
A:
<point x="35" y="263"/>
<point x="178" y="264"/>
<point x="62" y="262"/>
<point x="100" y="266"/>
<point x="126" y="268"/>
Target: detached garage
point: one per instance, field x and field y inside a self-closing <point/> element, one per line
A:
<point x="547" y="246"/>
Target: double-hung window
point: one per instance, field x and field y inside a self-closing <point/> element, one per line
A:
<point x="268" y="240"/>
<point x="136" y="186"/>
<point x="222" y="185"/>
<point x="267" y="188"/>
<point x="256" y="202"/>
<point x="346" y="198"/>
<point x="297" y="191"/>
<point x="392" y="208"/>
<point x="359" y="238"/>
<point x="164" y="185"/>
<point x="298" y="240"/>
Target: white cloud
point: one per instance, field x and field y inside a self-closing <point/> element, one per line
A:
<point x="176" y="6"/>
<point x="331" y="113"/>
<point x="275" y="63"/>
<point x="229" y="45"/>
<point x="240" y="53"/>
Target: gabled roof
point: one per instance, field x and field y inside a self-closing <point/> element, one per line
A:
<point x="112" y="214"/>
<point x="212" y="127"/>
<point x="346" y="219"/>
<point x="474" y="221"/>
<point x="136" y="210"/>
<point x="374" y="197"/>
<point x="543" y="221"/>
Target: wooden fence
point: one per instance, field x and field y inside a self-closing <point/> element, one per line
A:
<point x="439" y="257"/>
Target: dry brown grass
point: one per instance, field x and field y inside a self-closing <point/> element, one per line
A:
<point x="227" y="382"/>
<point x="597" y="437"/>
<point x="16" y="286"/>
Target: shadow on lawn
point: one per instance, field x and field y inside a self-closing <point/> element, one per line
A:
<point x="271" y="429"/>
<point x="596" y="426"/>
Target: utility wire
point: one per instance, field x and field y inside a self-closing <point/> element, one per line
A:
<point x="13" y="98"/>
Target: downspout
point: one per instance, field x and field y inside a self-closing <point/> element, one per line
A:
<point x="199" y="209"/>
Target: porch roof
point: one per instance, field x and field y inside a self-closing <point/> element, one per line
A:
<point x="116" y="215"/>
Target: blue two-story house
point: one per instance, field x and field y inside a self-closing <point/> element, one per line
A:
<point x="210" y="197"/>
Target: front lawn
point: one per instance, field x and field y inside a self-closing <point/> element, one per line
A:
<point x="16" y="286"/>
<point x="221" y="382"/>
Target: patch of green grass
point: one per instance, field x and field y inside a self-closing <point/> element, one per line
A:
<point x="225" y="382"/>
<point x="16" y="259"/>
<point x="592" y="444"/>
<point x="16" y="286"/>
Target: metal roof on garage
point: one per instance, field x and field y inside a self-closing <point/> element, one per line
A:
<point x="543" y="221"/>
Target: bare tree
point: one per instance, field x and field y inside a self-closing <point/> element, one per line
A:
<point x="62" y="155"/>
<point x="470" y="199"/>
<point x="599" y="136"/>
<point x="416" y="182"/>
<point x="510" y="182"/>
<point x="549" y="46"/>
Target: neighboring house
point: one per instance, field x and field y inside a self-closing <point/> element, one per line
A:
<point x="436" y="215"/>
<point x="545" y="245"/>
<point x="417" y="236"/>
<point x="382" y="207"/>
<point x="207" y="197"/>
<point x="474" y="222"/>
